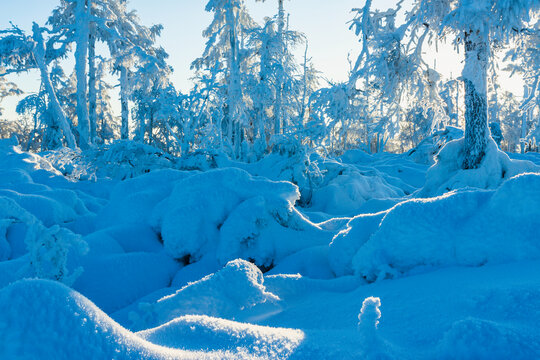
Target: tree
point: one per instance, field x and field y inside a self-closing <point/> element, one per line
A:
<point x="475" y="24"/>
<point x="389" y="77"/>
<point x="525" y="60"/>
<point x="19" y="53"/>
<point x="6" y="88"/>
<point x="225" y="46"/>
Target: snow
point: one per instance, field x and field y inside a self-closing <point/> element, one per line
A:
<point x="218" y="334"/>
<point x="236" y="215"/>
<point x="447" y="173"/>
<point x="238" y="286"/>
<point x="67" y="326"/>
<point x="231" y="263"/>
<point x="429" y="233"/>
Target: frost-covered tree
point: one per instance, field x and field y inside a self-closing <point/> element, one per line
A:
<point x="225" y="46"/>
<point x="156" y="103"/>
<point x="20" y="52"/>
<point x="474" y="24"/>
<point x="45" y="133"/>
<point x="87" y="22"/>
<point x="390" y="75"/>
<point x="525" y="60"/>
<point x="7" y="88"/>
<point x="281" y="86"/>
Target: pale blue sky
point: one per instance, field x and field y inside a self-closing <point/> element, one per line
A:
<point x="323" y="21"/>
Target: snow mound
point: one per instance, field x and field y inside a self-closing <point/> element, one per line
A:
<point x="236" y="215"/>
<point x="11" y="156"/>
<point x="238" y="286"/>
<point x="481" y="339"/>
<point x="447" y="174"/>
<point x="203" y="332"/>
<point x="133" y="199"/>
<point x="490" y="227"/>
<point x="427" y="150"/>
<point x="349" y="188"/>
<point x="113" y="281"/>
<point x="44" y="319"/>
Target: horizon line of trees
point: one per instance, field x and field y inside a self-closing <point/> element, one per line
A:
<point x="252" y="95"/>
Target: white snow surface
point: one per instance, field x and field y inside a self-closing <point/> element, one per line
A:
<point x="358" y="259"/>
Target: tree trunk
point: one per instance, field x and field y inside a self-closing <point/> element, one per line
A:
<point x="58" y="113"/>
<point x="524" y="119"/>
<point x="278" y="118"/>
<point x="92" y="88"/>
<point x="234" y="92"/>
<point x="475" y="80"/>
<point x="124" y="132"/>
<point x="81" y="57"/>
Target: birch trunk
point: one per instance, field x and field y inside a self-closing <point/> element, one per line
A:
<point x="476" y="115"/>
<point x="124" y="132"/>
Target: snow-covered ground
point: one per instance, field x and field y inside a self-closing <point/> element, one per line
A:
<point x="140" y="256"/>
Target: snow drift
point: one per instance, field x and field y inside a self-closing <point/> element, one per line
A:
<point x="490" y="227"/>
<point x="44" y="319"/>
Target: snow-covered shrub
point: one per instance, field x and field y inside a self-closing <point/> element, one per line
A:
<point x="427" y="150"/>
<point x="346" y="188"/>
<point x="468" y="228"/>
<point x="120" y="160"/>
<point x="448" y="174"/>
<point x="239" y="285"/>
<point x="346" y="243"/>
<point x="236" y="214"/>
<point x="298" y="168"/>
<point x="48" y="248"/>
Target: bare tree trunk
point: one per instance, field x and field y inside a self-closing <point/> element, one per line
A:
<point x="475" y="80"/>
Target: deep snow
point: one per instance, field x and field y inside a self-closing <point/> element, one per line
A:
<point x="357" y="259"/>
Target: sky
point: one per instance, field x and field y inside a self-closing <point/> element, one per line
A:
<point x="324" y="22"/>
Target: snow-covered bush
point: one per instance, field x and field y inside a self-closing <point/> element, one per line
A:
<point x="132" y="200"/>
<point x="235" y="214"/>
<point x="346" y="188"/>
<point x="120" y="160"/>
<point x="48" y="248"/>
<point x="427" y="150"/>
<point x="415" y="235"/>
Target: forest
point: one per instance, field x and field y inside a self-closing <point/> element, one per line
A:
<point x="270" y="212"/>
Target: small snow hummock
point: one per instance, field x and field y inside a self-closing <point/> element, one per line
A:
<point x="368" y="319"/>
<point x="238" y="286"/>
